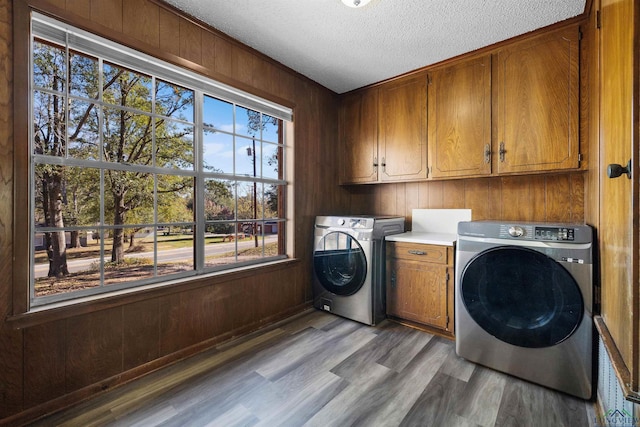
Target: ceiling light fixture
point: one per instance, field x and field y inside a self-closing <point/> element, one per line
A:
<point x="355" y="3"/>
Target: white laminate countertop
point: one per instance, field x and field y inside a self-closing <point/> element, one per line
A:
<point x="426" y="238"/>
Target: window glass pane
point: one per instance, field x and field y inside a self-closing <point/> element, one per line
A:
<point x="247" y="196"/>
<point x="127" y="137"/>
<point x="270" y="128"/>
<point x="84" y="132"/>
<point x="248" y="155"/>
<point x="271" y="161"/>
<point x="259" y="246"/>
<point x="247" y="122"/>
<point x="126" y="88"/>
<point x="175" y="199"/>
<point x="49" y="124"/>
<point x="174" y="101"/>
<point x="84" y="76"/>
<point x="49" y="66"/>
<point x="218" y="152"/>
<point x="128" y="197"/>
<point x="174" y="145"/>
<point x="131" y="261"/>
<point x="272" y="199"/>
<point x="66" y="196"/>
<point x="219" y="199"/>
<point x="217" y="114"/>
<point x="175" y="250"/>
<point x="82" y="254"/>
<point x="220" y="244"/>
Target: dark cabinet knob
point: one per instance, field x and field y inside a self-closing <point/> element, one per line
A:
<point x="615" y="170"/>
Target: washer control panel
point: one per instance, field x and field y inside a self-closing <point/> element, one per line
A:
<point x="529" y="232"/>
<point x="555" y="233"/>
<point x="548" y="233"/>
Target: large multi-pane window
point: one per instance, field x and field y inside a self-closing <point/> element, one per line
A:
<point x="142" y="172"/>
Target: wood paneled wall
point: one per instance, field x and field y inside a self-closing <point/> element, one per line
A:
<point x="553" y="198"/>
<point x="51" y="360"/>
<point x="54" y="359"/>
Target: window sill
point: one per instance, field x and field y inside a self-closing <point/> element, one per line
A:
<point x="67" y="309"/>
<point x="622" y="372"/>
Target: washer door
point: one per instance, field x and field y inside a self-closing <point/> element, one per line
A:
<point x="521" y="296"/>
<point x="340" y="263"/>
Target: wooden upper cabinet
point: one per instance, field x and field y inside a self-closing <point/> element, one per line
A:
<point x="359" y="137"/>
<point x="402" y="128"/>
<point x="459" y="118"/>
<point x="536" y="103"/>
<point x="513" y="111"/>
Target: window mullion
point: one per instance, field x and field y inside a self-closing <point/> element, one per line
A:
<point x="153" y="119"/>
<point x="198" y="137"/>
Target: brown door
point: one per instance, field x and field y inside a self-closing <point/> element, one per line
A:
<point x="403" y="130"/>
<point x="618" y="238"/>
<point x="536" y="103"/>
<point x="459" y="119"/>
<point x="359" y="137"/>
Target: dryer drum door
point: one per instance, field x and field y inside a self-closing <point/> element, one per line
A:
<point x="340" y="263"/>
<point x="521" y="296"/>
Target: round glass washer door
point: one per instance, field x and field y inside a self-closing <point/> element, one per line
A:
<point x="521" y="296"/>
<point x="339" y="263"/>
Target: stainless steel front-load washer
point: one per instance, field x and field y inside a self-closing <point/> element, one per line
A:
<point x="348" y="260"/>
<point x="523" y="302"/>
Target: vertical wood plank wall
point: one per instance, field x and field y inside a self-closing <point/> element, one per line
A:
<point x="55" y="363"/>
<point x="553" y="198"/>
<point x="52" y="364"/>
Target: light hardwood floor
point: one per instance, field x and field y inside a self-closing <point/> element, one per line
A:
<point x="323" y="370"/>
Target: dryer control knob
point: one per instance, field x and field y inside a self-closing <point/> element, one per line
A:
<point x="516" y="231"/>
<point x="341" y="221"/>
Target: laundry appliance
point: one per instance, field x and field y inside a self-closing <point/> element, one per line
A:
<point x="349" y="264"/>
<point x="523" y="301"/>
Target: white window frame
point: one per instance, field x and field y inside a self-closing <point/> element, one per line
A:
<point x="48" y="29"/>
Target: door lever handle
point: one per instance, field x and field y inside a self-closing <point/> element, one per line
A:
<point x="614" y="170"/>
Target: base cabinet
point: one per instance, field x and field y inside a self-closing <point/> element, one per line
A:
<point x="420" y="284"/>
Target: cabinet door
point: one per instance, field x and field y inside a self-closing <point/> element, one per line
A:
<point x="403" y="130"/>
<point x="417" y="291"/>
<point x="359" y="137"/>
<point x="459" y="119"/>
<point x="536" y="105"/>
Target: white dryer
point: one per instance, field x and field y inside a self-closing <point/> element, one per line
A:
<point x="349" y="263"/>
<point x="523" y="302"/>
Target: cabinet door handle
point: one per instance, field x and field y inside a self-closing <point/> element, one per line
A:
<point x="414" y="252"/>
<point x="502" y="151"/>
<point x="384" y="165"/>
<point x="375" y="162"/>
<point x="393" y="279"/>
<point x="487" y="153"/>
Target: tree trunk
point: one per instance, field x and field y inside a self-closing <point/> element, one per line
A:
<point x="131" y="243"/>
<point x="117" y="249"/>
<point x="75" y="239"/>
<point x="58" y="251"/>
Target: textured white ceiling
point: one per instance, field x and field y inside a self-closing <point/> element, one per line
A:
<point x="344" y="48"/>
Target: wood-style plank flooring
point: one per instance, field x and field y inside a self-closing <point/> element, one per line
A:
<point x="323" y="370"/>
